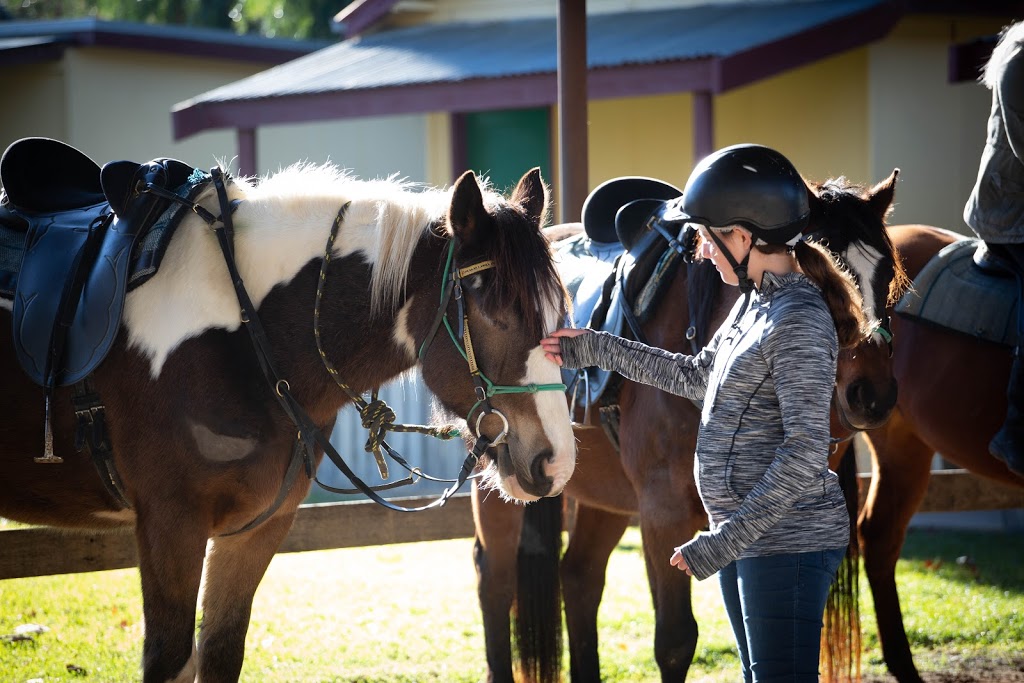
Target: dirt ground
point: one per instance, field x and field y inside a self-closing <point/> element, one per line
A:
<point x="966" y="670"/>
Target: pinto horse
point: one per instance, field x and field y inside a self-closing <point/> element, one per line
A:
<point x="200" y="442"/>
<point x="651" y="474"/>
<point x="952" y="400"/>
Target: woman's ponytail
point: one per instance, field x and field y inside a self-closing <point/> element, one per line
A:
<point x="840" y="291"/>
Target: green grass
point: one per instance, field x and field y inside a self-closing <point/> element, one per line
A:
<point x="407" y="613"/>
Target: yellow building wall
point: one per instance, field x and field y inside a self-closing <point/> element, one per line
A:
<point x="116" y="104"/>
<point x="933" y="130"/>
<point x="816" y="115"/>
<point x="39" y="107"/>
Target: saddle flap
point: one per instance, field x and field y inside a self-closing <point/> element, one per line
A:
<point x="42" y="175"/>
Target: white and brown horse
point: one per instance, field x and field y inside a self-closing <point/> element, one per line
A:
<point x="200" y="441"/>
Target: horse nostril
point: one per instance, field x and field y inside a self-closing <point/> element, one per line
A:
<point x="540" y="484"/>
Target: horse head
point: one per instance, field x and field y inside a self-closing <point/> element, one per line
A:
<point x="508" y="296"/>
<point x="851" y="221"/>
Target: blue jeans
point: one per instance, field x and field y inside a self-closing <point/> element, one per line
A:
<point x="775" y="605"/>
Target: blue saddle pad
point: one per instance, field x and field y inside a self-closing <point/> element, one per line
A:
<point x="585" y="266"/>
<point x="953" y="293"/>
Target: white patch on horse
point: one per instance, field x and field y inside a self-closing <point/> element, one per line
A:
<point x="121" y="516"/>
<point x="7" y="305"/>
<point x="220" y="447"/>
<point x="401" y="333"/>
<point x="552" y="408"/>
<point x="188" y="672"/>
<point x="281" y="225"/>
<point x="862" y="259"/>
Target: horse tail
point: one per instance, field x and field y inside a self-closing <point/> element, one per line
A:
<point x="537" y="609"/>
<point x="841" y="644"/>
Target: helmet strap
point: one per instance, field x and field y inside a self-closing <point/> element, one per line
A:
<point x="746" y="285"/>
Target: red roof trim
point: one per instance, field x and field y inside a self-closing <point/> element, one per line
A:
<point x="482" y="94"/>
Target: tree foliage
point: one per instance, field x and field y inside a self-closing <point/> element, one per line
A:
<point x="271" y="18"/>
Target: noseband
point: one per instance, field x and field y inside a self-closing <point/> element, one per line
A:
<point x="483" y="387"/>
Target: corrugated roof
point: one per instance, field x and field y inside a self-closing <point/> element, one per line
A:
<point x="435" y="53"/>
<point x="513" y="63"/>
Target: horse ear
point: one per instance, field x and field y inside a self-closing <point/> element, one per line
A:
<point x="466" y="212"/>
<point x="881" y="195"/>
<point x="532" y="195"/>
<point x="815" y="204"/>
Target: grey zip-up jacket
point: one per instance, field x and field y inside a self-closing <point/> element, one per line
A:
<point x="766" y="381"/>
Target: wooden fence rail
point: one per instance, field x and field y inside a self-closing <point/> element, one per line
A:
<point x="42" y="551"/>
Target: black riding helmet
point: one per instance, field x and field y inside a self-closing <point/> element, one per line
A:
<point x="752" y="186"/>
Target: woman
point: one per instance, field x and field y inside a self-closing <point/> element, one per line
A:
<point x="778" y="520"/>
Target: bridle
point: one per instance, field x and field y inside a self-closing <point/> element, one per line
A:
<point x="379" y="419"/>
<point x="376" y="415"/>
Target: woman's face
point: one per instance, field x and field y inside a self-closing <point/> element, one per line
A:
<point x="709" y="250"/>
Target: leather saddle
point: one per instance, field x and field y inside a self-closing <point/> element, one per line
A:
<point x="80" y="224"/>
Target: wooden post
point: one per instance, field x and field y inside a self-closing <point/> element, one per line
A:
<point x="703" y="125"/>
<point x="572" y="108"/>
<point x="246" y="151"/>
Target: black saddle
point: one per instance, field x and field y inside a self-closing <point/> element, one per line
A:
<point x="80" y="225"/>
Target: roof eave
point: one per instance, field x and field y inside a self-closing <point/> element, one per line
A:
<point x="480" y="94"/>
<point x="33" y="54"/>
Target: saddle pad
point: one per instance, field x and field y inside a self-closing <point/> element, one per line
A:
<point x="953" y="293"/>
<point x="585" y="266"/>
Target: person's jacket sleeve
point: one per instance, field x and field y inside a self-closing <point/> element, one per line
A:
<point x="676" y="373"/>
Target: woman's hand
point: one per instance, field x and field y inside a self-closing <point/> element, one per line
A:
<point x="679" y="562"/>
<point x="552" y="344"/>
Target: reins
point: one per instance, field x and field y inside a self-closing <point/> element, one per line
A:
<point x="376" y="416"/>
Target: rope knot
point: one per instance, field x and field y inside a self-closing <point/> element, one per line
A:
<point x="377" y="418"/>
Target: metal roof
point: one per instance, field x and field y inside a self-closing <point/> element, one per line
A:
<point x="713" y="47"/>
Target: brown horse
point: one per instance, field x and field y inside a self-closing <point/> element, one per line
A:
<point x="952" y="400"/>
<point x="200" y="442"/>
<point x="651" y="476"/>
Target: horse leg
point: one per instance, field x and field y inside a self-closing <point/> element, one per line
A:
<point x="594" y="536"/>
<point x="900" y="470"/>
<point x="664" y="526"/>
<point x="235" y="565"/>
<point x="171" y="548"/>
<point x="498" y="525"/>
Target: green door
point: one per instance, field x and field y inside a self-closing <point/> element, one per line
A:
<point x="503" y="145"/>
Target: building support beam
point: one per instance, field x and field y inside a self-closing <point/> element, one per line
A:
<point x="247" y="151"/>
<point x="703" y="124"/>
<point x="572" y="109"/>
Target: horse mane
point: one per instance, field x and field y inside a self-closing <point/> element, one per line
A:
<point x="848" y="204"/>
<point x="385" y="219"/>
